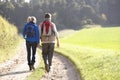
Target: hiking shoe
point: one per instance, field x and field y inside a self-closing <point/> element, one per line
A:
<point x="47" y="68"/>
<point x="32" y="66"/>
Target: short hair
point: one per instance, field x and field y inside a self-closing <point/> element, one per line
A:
<point x="47" y="15"/>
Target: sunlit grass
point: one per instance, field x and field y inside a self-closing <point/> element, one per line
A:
<point x="95" y="52"/>
<point x="96" y="37"/>
<point x="8" y="40"/>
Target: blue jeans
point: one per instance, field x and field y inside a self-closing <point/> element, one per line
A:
<point x="31" y="49"/>
<point x="47" y="53"/>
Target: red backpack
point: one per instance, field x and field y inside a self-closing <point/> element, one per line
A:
<point x="46" y="24"/>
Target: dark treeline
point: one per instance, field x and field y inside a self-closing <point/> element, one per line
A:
<point x="66" y="13"/>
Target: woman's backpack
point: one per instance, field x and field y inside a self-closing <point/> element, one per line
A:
<point x="30" y="30"/>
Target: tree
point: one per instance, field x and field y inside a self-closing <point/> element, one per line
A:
<point x="34" y="2"/>
<point x="87" y="11"/>
<point x="21" y="1"/>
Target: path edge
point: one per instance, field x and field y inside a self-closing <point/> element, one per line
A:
<point x="74" y="65"/>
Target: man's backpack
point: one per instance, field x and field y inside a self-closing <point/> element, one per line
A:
<point x="30" y="31"/>
<point x="47" y="29"/>
<point x="47" y="32"/>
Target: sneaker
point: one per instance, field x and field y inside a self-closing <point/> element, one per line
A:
<point x="47" y="68"/>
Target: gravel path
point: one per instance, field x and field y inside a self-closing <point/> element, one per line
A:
<point x="17" y="68"/>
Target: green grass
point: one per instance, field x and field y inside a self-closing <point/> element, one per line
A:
<point x="95" y="52"/>
<point x="8" y="39"/>
<point x="108" y="38"/>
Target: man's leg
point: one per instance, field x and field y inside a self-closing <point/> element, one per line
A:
<point x="45" y="55"/>
<point x="44" y="52"/>
<point x="50" y="54"/>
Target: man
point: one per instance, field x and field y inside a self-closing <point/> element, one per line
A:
<point x="31" y="35"/>
<point x="48" y="35"/>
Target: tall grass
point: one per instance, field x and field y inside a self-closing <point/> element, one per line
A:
<point x="95" y="52"/>
<point x="8" y="39"/>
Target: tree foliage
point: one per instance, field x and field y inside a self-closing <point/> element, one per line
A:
<point x="66" y="13"/>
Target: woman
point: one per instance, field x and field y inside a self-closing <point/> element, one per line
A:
<point x="31" y="35"/>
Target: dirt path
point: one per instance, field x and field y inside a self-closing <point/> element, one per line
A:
<point x="62" y="69"/>
<point x="17" y="68"/>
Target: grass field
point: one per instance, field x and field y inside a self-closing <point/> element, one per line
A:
<point x="96" y="37"/>
<point x="95" y="52"/>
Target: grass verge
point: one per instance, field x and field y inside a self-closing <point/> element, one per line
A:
<point x="95" y="52"/>
<point x="93" y="64"/>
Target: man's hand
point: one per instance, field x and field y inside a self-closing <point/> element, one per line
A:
<point x="58" y="45"/>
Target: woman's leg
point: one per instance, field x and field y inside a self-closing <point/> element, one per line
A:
<point x="34" y="46"/>
<point x="28" y="46"/>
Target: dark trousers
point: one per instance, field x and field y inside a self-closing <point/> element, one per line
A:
<point x="47" y="53"/>
<point x="31" y="50"/>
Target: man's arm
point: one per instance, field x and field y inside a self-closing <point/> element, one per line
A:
<point x="57" y="35"/>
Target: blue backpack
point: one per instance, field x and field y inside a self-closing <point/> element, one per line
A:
<point x="30" y="31"/>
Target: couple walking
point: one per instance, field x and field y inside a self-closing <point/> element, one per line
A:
<point x="47" y="33"/>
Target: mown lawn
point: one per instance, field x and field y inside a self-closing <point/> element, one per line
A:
<point x="95" y="52"/>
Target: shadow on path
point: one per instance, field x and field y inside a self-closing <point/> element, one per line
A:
<point x="14" y="73"/>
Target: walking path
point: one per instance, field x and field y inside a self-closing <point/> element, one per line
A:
<point x="17" y="68"/>
<point x="62" y="69"/>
